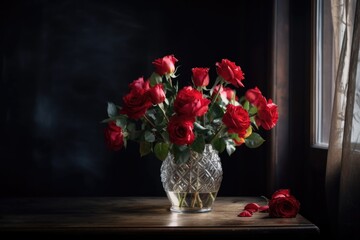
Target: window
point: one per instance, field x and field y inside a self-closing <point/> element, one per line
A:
<point x="324" y="74"/>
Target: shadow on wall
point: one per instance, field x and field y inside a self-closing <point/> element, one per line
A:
<point x="63" y="60"/>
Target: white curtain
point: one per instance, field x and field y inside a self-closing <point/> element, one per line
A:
<point x="343" y="161"/>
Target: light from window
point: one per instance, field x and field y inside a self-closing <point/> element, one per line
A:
<point x="324" y="74"/>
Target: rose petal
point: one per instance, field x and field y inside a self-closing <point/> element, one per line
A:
<point x="281" y="193"/>
<point x="264" y="208"/>
<point x="253" y="207"/>
<point x="245" y="213"/>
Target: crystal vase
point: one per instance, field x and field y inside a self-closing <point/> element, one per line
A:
<point x="192" y="186"/>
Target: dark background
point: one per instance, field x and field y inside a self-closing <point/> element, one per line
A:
<point x="61" y="61"/>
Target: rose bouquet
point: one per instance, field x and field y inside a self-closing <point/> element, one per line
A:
<point x="164" y="119"/>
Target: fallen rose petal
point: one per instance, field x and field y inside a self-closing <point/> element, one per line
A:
<point x="245" y="213"/>
<point x="253" y="207"/>
<point x="264" y="208"/>
<point x="251" y="210"/>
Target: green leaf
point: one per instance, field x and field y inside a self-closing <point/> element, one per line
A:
<point x="254" y="140"/>
<point x="181" y="153"/>
<point x="145" y="148"/>
<point x="160" y="122"/>
<point x="199" y="128"/>
<point x="149" y="136"/>
<point x="131" y="127"/>
<point x="151" y="113"/>
<point x="219" y="144"/>
<point x="161" y="150"/>
<point x="252" y="111"/>
<point x="159" y="116"/>
<point x="199" y="144"/>
<point x="108" y="120"/>
<point x="135" y="135"/>
<point x="165" y="135"/>
<point x="155" y="79"/>
<point x="253" y="122"/>
<point x="217" y="111"/>
<point x="246" y="105"/>
<point x="112" y="110"/>
<point x="111" y="119"/>
<point x="121" y="122"/>
<point x="230" y="146"/>
<point x="169" y="89"/>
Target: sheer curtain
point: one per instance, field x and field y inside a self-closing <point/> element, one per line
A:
<point x="343" y="161"/>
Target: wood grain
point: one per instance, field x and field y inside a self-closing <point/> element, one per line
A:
<point x="139" y="215"/>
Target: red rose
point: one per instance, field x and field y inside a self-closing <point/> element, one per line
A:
<point x="190" y="102"/>
<point x="165" y="65"/>
<point x="230" y="72"/>
<point x="267" y="115"/>
<point x="139" y="85"/>
<point x="236" y="119"/>
<point x="225" y="93"/>
<point x="114" y="137"/>
<point x="136" y="104"/>
<point x="285" y="207"/>
<point x="254" y="96"/>
<point x="281" y="204"/>
<point x="180" y="130"/>
<point x="200" y="76"/>
<point x="157" y="94"/>
<point x="137" y="101"/>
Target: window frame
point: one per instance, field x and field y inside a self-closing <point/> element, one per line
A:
<point x="322" y="90"/>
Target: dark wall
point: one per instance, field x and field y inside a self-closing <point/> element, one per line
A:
<point x="61" y="61"/>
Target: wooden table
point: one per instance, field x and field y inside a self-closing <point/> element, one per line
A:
<point x="133" y="217"/>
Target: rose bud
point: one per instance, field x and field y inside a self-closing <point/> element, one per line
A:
<point x="165" y="65"/>
<point x="157" y="94"/>
<point x="200" y="76"/>
<point x="254" y="96"/>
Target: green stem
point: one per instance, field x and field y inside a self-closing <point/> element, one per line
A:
<point x="211" y="196"/>
<point x="199" y="200"/>
<point x="153" y="125"/>
<point x="182" y="198"/>
<point x="170" y="81"/>
<point x="161" y="106"/>
<point x="221" y="129"/>
<point x="216" y="96"/>
<point x="148" y="120"/>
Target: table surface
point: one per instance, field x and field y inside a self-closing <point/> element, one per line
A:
<point x="141" y="215"/>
